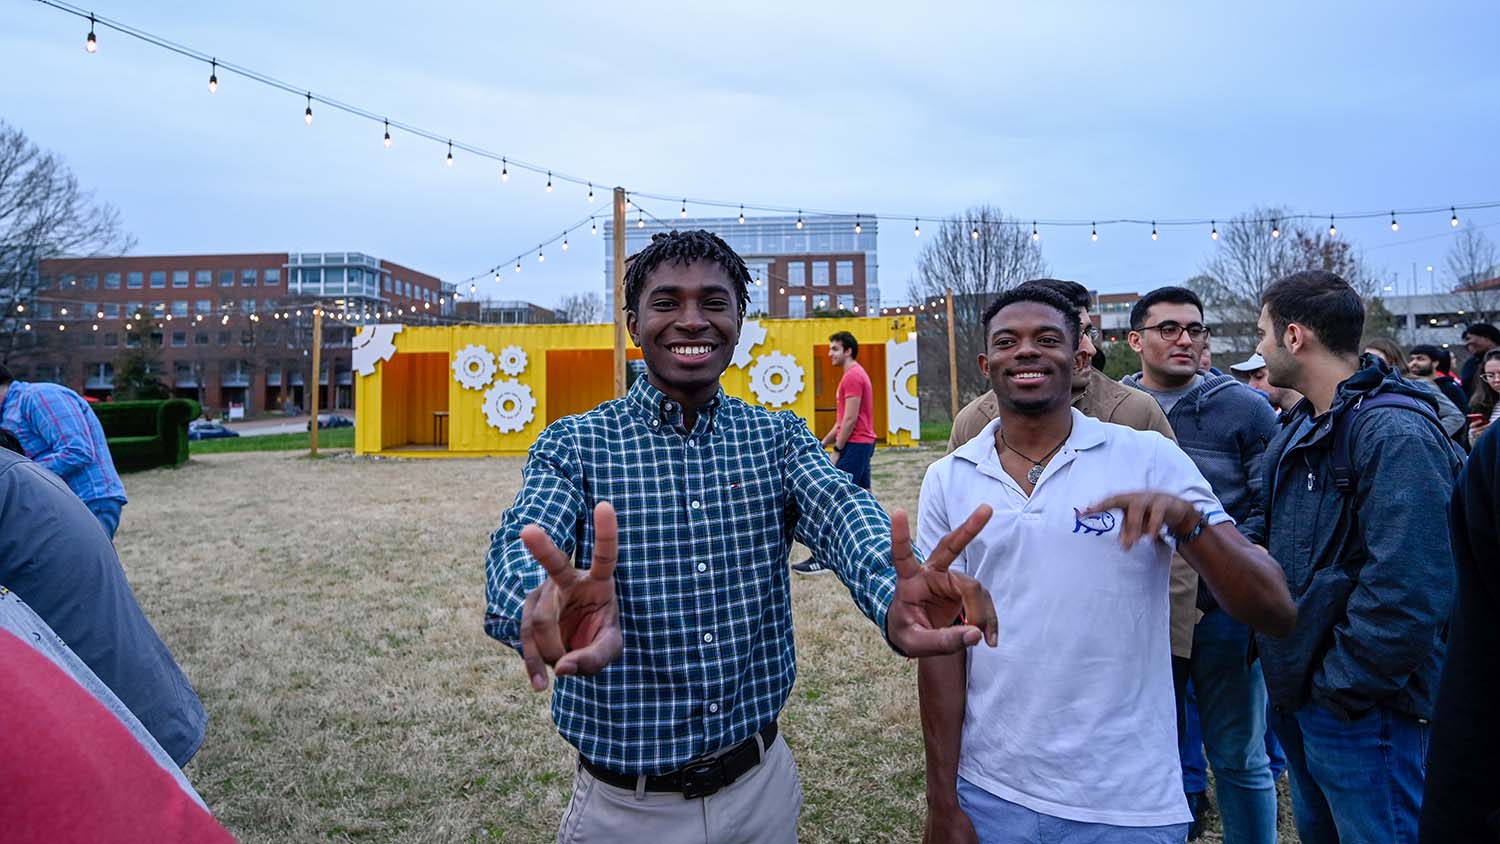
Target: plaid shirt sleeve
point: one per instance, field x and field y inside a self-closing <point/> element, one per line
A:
<point x="63" y="427"/>
<point x="550" y="498"/>
<point x="842" y="524"/>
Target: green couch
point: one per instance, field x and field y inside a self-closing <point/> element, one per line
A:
<point x="147" y="434"/>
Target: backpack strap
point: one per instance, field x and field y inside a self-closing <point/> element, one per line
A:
<point x="1344" y="476"/>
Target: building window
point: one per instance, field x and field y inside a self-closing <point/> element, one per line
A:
<point x="203" y="278"/>
<point x="204" y="306"/>
<point x="158" y="308"/>
<point x="44" y="310"/>
<point x="270" y="337"/>
<point x="846" y="302"/>
<point x="820" y="273"/>
<point x="179" y="339"/>
<point x="843" y="273"/>
<point x="226" y="304"/>
<point x="89" y="310"/>
<point x="111" y="281"/>
<point x="270" y="277"/>
<point x="201" y="339"/>
<point x="247" y="278"/>
<point x="247" y="306"/>
<point x="268" y="305"/>
<point x="88" y="339"/>
<point x="111" y="339"/>
<point x="68" y="281"/>
<point x="111" y="310"/>
<point x="158" y="278"/>
<point x="132" y="341"/>
<point x="179" y="278"/>
<point x="91" y="282"/>
<point x="796" y="274"/>
<point x="45" y="282"/>
<point x="387" y="284"/>
<point x="223" y="338"/>
<point x="180" y="308"/>
<point x="796" y="307"/>
<point x="133" y="309"/>
<point x="226" y="278"/>
<point x="134" y="280"/>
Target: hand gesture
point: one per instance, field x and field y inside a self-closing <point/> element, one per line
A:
<point x="929" y="597"/>
<point x="1144" y="513"/>
<point x="572" y="621"/>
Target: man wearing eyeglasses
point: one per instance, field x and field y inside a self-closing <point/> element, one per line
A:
<point x="1224" y="427"/>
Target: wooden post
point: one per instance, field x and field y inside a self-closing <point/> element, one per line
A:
<point x="619" y="315"/>
<point x="316" y="388"/>
<point x="952" y="359"/>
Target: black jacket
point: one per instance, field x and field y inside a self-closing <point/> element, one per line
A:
<point x="1371" y="571"/>
<point x="1462" y="802"/>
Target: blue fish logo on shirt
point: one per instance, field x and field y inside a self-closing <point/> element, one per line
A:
<point x="1094" y="523"/>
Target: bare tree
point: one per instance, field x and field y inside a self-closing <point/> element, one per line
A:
<point x="977" y="255"/>
<point x="43" y="214"/>
<point x="580" y="308"/>
<point x="1472" y="262"/>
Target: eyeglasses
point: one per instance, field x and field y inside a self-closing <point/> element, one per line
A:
<point x="1491" y="376"/>
<point x="1170" y="331"/>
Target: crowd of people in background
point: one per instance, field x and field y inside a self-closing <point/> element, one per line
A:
<point x="1115" y="588"/>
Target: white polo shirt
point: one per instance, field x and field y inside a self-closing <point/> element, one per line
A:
<point x="1072" y="714"/>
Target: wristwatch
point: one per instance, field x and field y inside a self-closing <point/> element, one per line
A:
<point x="1197" y="531"/>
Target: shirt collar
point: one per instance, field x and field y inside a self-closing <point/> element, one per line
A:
<point x="1087" y="433"/>
<point x="653" y="406"/>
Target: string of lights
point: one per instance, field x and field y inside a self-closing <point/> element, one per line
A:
<point x="506" y="161"/>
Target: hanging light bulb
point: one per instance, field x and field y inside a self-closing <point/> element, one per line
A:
<point x="387" y="140"/>
<point x="518" y="265"/>
<point x="1035" y="235"/>
<point x="593" y="228"/>
<point x="61" y="327"/>
<point x="640" y="219"/>
<point x="92" y="43"/>
<point x="974" y="233"/>
<point x="99" y="315"/>
<point x="64" y="311"/>
<point x="504" y="171"/>
<point x="1094" y="232"/>
<point x="549" y="181"/>
<point x="1275" y="229"/>
<point x="857" y="226"/>
<point x="1333" y="231"/>
<point x="1453" y="221"/>
<point x="307" y="115"/>
<point x="1395" y="226"/>
<point x="27" y="326"/>
<point x="213" y="76"/>
<point x="540" y="257"/>
<point x="565" y="244"/>
<point x="591" y="191"/>
<point x="916" y="229"/>
<point x="1214" y="234"/>
<point x="450" y="153"/>
<point x="1153" y="229"/>
<point x="684" y="208"/>
<point x="20" y="309"/>
<point x="742" y="215"/>
<point x="799" y="218"/>
<point x="497" y="279"/>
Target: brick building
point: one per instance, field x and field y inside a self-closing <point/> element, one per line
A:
<point x="228" y="329"/>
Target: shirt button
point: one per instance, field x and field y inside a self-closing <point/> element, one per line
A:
<point x="708" y="637"/>
<point x="703" y="567"/>
<point x="695" y="504"/>
<point x="654" y="423"/>
<point x="713" y="707"/>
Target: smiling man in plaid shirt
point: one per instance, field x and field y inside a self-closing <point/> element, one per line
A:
<point x="673" y="644"/>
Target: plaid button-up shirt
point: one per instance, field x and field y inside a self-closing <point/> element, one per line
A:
<point x="60" y="432"/>
<point x="706" y="521"/>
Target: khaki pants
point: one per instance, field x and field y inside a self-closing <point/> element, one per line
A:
<point x="759" y="808"/>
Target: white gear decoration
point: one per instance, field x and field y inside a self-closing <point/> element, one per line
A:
<point x="474" y="367"/>
<point x="509" y="406"/>
<point x="752" y="334"/>
<point x="512" y="360"/>
<point x="901" y="403"/>
<point x="373" y="344"/>
<point x="776" y="379"/>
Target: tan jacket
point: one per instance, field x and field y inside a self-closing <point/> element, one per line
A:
<point x="1108" y="401"/>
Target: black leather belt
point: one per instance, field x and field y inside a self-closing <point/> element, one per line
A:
<point x="698" y="778"/>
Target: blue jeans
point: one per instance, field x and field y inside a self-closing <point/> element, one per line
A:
<point x="999" y="821"/>
<point x="1354" y="781"/>
<point x="855" y="459"/>
<point x="1190" y="748"/>
<point x="1231" y="699"/>
<point x="107" y="511"/>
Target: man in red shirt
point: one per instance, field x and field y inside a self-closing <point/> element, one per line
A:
<point x="853" y="434"/>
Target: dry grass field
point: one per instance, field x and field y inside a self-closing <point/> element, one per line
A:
<point x="329" y="614"/>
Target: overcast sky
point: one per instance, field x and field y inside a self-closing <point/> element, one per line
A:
<point x="1046" y="110"/>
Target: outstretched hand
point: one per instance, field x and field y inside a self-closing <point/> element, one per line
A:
<point x="929" y="597"/>
<point x="572" y="621"/>
<point x="1143" y="514"/>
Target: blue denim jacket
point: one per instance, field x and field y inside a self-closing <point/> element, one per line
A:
<point x="1371" y="571"/>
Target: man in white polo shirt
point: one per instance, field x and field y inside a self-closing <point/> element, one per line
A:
<point x="1065" y="732"/>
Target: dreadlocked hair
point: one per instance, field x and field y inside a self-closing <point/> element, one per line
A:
<point x="684" y="248"/>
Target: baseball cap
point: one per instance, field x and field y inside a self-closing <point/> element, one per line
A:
<point x="1250" y="364"/>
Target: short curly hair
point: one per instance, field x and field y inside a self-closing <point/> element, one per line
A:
<point x="684" y="248"/>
